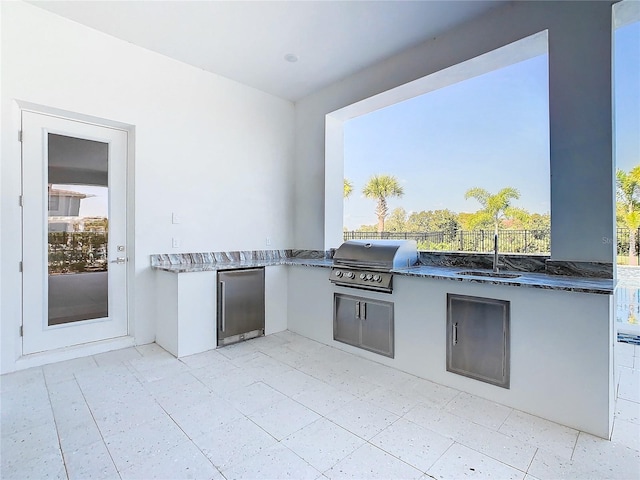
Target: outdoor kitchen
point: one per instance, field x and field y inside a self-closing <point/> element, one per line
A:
<point x="376" y="300"/>
<point x="244" y="335"/>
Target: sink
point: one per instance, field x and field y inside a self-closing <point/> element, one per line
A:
<point x="484" y="273"/>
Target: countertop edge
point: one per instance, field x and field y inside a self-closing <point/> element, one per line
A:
<point x="212" y="267"/>
<point x="542" y="281"/>
<point x="597" y="286"/>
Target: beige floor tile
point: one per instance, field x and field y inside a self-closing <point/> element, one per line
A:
<point x="462" y="462"/>
<point x="541" y="433"/>
<point x="593" y="460"/>
<point x="369" y="462"/>
<point x="627" y="410"/>
<point x="413" y="444"/>
<point x="168" y="418"/>
<point x="183" y="461"/>
<point x="626" y="433"/>
<point x="395" y="401"/>
<point x="283" y="418"/>
<point x="48" y="467"/>
<point x="478" y="410"/>
<point x="322" y="444"/>
<point x="232" y="443"/>
<point x="362" y="418"/>
<point x="323" y="398"/>
<point x="91" y="461"/>
<point x="276" y="462"/>
<point x="149" y="439"/>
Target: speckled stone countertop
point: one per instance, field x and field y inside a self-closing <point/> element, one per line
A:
<point x="214" y="261"/>
<point x="600" y="286"/>
<point x="213" y="267"/>
<point x="208" y="262"/>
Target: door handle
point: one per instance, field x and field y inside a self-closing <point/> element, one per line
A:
<point x="223" y="313"/>
<point x="363" y="311"/>
<point x="357" y="309"/>
<point x="119" y="260"/>
<point x="454" y="333"/>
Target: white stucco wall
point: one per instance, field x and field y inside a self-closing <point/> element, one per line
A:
<point x="218" y="153"/>
<point x="582" y="193"/>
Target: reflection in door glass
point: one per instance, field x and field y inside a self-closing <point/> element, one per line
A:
<point x="78" y="228"/>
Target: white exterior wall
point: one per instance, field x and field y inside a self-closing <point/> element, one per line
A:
<point x="582" y="187"/>
<point x="218" y="153"/>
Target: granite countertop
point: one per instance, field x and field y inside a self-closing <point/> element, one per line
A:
<point x="186" y="263"/>
<point x="602" y="286"/>
<point x="235" y="265"/>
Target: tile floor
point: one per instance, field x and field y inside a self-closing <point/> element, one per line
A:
<point x="284" y="406"/>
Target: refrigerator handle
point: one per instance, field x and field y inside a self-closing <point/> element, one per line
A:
<point x="223" y="313"/>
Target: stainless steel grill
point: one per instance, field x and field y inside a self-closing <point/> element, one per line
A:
<point x="367" y="264"/>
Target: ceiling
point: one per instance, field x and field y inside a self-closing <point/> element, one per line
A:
<point x="248" y="41"/>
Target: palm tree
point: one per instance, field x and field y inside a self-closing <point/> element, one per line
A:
<point x="494" y="207"/>
<point x="628" y="188"/>
<point x="348" y="188"/>
<point x="379" y="188"/>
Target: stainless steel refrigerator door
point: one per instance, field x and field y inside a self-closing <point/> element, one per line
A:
<point x="240" y="305"/>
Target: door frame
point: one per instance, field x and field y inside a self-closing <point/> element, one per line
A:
<point x="64" y="353"/>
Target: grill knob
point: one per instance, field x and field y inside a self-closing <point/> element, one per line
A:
<point x="338" y="273"/>
<point x="362" y="276"/>
<point x="369" y="277"/>
<point x="377" y="278"/>
<point x="350" y="275"/>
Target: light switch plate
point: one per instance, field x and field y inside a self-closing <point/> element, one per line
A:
<point x="176" y="218"/>
<point x="175" y="242"/>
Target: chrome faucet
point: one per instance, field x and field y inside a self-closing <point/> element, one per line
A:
<point x="495" y="253"/>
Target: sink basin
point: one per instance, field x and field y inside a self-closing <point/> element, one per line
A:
<point x="484" y="273"/>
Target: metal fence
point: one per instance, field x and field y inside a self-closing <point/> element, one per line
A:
<point x="623" y="241"/>
<point x="509" y="241"/>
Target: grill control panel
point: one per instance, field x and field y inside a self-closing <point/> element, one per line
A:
<point x="379" y="281"/>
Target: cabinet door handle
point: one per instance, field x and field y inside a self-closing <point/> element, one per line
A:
<point x="504" y="359"/>
<point x="357" y="309"/>
<point x="363" y="311"/>
<point x="223" y="313"/>
<point x="454" y="333"/>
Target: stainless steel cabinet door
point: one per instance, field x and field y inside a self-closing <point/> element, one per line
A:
<point x="240" y="302"/>
<point x="346" y="324"/>
<point x="478" y="338"/>
<point x="376" y="319"/>
<point x="363" y="323"/>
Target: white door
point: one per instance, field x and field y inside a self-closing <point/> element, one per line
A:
<point x="74" y="232"/>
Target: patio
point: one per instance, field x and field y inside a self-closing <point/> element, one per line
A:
<point x="284" y="406"/>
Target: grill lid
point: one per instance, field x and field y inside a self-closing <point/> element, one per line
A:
<point x="378" y="254"/>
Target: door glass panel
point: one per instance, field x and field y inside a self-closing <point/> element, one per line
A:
<point x="78" y="229"/>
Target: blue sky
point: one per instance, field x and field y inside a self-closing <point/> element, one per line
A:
<point x="490" y="131"/>
<point x="627" y="96"/>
